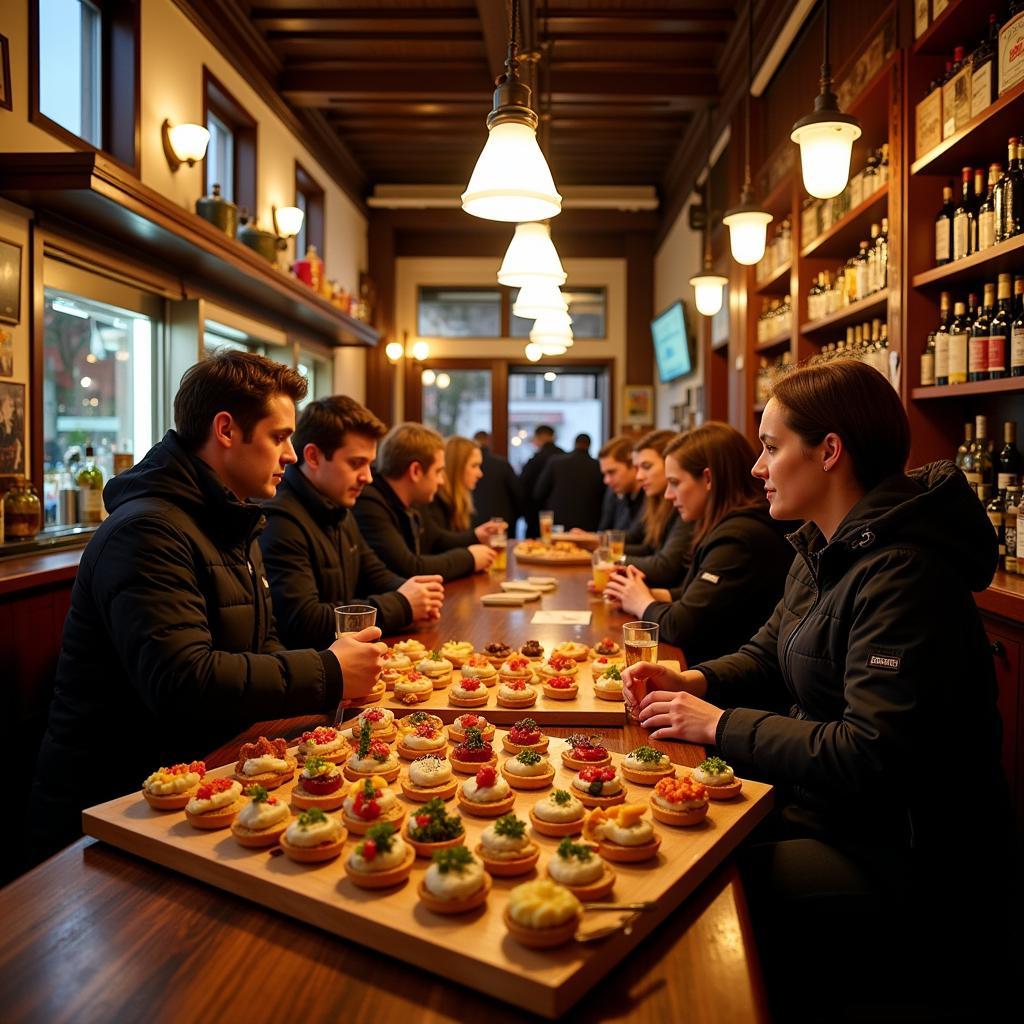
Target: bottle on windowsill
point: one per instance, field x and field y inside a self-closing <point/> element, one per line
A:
<point x="90" y="487"/>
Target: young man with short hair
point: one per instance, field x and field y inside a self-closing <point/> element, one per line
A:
<point x="624" y="500"/>
<point x="169" y="648"/>
<point x="410" y="468"/>
<point x="316" y="557"/>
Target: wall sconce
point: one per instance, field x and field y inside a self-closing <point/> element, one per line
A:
<point x="420" y="351"/>
<point x="287" y="220"/>
<point x="394" y="351"/>
<point x="183" y="143"/>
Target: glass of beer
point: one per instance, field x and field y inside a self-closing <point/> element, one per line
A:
<point x="546" y="518"/>
<point x="616" y="544"/>
<point x="640" y="641"/>
<point x="499" y="541"/>
<point x="351" y="618"/>
<point x="602" y="565"/>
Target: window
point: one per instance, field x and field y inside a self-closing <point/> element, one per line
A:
<point x="231" y="155"/>
<point x="84" y="81"/>
<point x="217" y="336"/>
<point x="319" y="374"/>
<point x="459" y="313"/>
<point x="457" y="401"/>
<point x="309" y="197"/>
<point x="586" y="307"/>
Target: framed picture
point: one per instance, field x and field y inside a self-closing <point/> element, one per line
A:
<point x="12" y="429"/>
<point x="10" y="282"/>
<point x="6" y="353"/>
<point x="5" y="74"/>
<point x="638" y="405"/>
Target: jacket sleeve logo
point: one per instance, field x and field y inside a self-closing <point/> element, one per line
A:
<point x="888" y="662"/>
<point x="710" y="577"/>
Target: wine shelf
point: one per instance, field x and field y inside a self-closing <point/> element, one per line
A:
<point x="842" y="238"/>
<point x="997" y="259"/>
<point x="962" y="19"/>
<point x="781" y="341"/>
<point x="976" y="387"/>
<point x="855" y="313"/>
<point x="1004" y="597"/>
<point x="778" y="282"/>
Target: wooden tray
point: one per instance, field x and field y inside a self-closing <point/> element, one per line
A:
<point x="473" y="949"/>
<point x="586" y="709"/>
<point x="584" y="558"/>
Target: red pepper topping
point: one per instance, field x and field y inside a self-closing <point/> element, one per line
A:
<point x="560" y="662"/>
<point x="426" y="730"/>
<point x="369" y="849"/>
<point x="422" y="820"/>
<point x="373" y="715"/>
<point x="486" y="777"/>
<point x="561" y="682"/>
<point x="594" y="774"/>
<point x="516" y="684"/>
<point x="199" y="767"/>
<point x="589" y="753"/>
<point x="517" y="664"/>
<point x="320" y="736"/>
<point x="379" y="750"/>
<point x="471" y="684"/>
<point x="469" y="721"/>
<point x="523" y="737"/>
<point x="207" y="789"/>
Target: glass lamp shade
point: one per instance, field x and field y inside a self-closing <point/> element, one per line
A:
<point x="288" y="220"/>
<point x="539" y="296"/>
<point x="534" y="354"/>
<point x="511" y="181"/>
<point x="748" y="229"/>
<point x="707" y="290"/>
<point x="394" y="351"/>
<point x="551" y="348"/>
<point x="189" y="141"/>
<point x="553" y="324"/>
<point x="825" y="148"/>
<point x="531" y="254"/>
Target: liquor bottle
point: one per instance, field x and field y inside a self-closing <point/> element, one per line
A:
<point x="987" y="210"/>
<point x="90" y="485"/>
<point x="963" y="453"/>
<point x="963" y="216"/>
<point x="999" y="331"/>
<point x="979" y="196"/>
<point x="883" y="165"/>
<point x="1010" y="512"/>
<point x="872" y="255"/>
<point x="1013" y="195"/>
<point x="1009" y="463"/>
<point x="944" y="228"/>
<point x="959" y="332"/>
<point x="942" y="342"/>
<point x="977" y="356"/>
<point x="861" y="271"/>
<point x="979" y="470"/>
<point x="995" y="510"/>
<point x="882" y="256"/>
<point x="1017" y="330"/>
<point x="999" y="193"/>
<point x="983" y="69"/>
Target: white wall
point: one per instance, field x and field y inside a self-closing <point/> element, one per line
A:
<point x="678" y="258"/>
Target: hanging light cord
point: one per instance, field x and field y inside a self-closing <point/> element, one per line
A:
<point x="512" y="60"/>
<point x="750" y="86"/>
<point x="826" y="67"/>
<point x="707" y="202"/>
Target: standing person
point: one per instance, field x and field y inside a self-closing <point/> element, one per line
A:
<point x="498" y="494"/>
<point x="316" y="557"/>
<point x="169" y="648"/>
<point x="740" y="557"/>
<point x="572" y="487"/>
<point x="544" y="442"/>
<point x="879" y="653"/>
<point x="623" y="505"/>
<point x="449" y="516"/>
<point x="410" y="469"/>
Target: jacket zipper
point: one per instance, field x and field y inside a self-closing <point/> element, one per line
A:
<point x="256" y="645"/>
<point x="803" y="618"/>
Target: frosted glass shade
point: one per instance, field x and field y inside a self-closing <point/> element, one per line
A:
<point x="748" y="230"/>
<point x="288" y="220"/>
<point x="537" y="297"/>
<point x="825" y="148"/>
<point x="511" y="181"/>
<point x="189" y="141"/>
<point x="707" y="290"/>
<point x="531" y="254"/>
<point x="533" y="353"/>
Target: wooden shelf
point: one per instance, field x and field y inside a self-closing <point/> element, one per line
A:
<point x="854" y="313"/>
<point x="777" y="283"/>
<point x="767" y="346"/>
<point x="981" y="140"/>
<point x="843" y="237"/>
<point x="997" y="259"/>
<point x="975" y="387"/>
<point x="1005" y="597"/>
<point x="89" y="191"/>
<point x="961" y="20"/>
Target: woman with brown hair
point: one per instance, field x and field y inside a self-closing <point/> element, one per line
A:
<point x="847" y="700"/>
<point x="664" y="555"/>
<point x="449" y="516"/>
<point x="740" y="557"/>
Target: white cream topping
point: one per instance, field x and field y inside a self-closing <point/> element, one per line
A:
<point x="264" y="763"/>
<point x="682" y="805"/>
<point x="459" y="648"/>
<point x="507" y="693"/>
<point x="397" y="660"/>
<point x="224" y="798"/>
<point x="548" y="810"/>
<point x="527" y="771"/>
<point x="331" y="746"/>
<point x="413" y="648"/>
<point x="454" y="885"/>
<point x="407" y="685"/>
<point x="608" y="788"/>
<point x="433" y="772"/>
<point x="573" y="871"/>
<point x="382" y="725"/>
<point x="385" y="801"/>
<point x="481" y="723"/>
<point x="636" y="835"/>
<point x="371" y="764"/>
<point x="382" y="861"/>
<point x="161" y="783"/>
<point x="416" y="742"/>
<point x="606" y="685"/>
<point x="457" y="690"/>
<point x="430" y="667"/>
<point x="646" y="766"/>
<point x="548" y="669"/>
<point x="485" y="794"/>
<point x="504" y="847"/>
<point x="314" y="834"/>
<point x="487" y="671"/>
<point x="262" y="815"/>
<point x="724" y="778"/>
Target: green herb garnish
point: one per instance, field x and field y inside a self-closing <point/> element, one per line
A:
<point x="436" y="656"/>
<point x="511" y="826"/>
<point x="646" y="754"/>
<point x="440" y="827"/>
<point x="314" y="816"/>
<point x="455" y="858"/>
<point x="567" y="848"/>
<point x="474" y="739"/>
<point x="383" y="836"/>
<point x="526" y="724"/>
<point x="419" y="718"/>
<point x="582" y="739"/>
<point x="528" y="757"/>
<point x="713" y="766"/>
<point x="257" y="794"/>
<point x="561" y="797"/>
<point x="613" y="673"/>
<point x="314" y="763"/>
<point x="369" y="789"/>
<point x="364" y="739"/>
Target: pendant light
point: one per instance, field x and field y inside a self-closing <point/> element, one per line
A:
<point x="531" y="254"/>
<point x="747" y="223"/>
<point x="539" y="296"/>
<point x="511" y="180"/>
<point x="825" y="137"/>
<point x="708" y="286"/>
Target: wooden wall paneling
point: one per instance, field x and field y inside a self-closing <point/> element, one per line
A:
<point x="381" y="263"/>
<point x="34" y="412"/>
<point x="639" y="308"/>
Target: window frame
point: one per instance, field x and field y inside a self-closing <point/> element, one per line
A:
<point x="244" y="129"/>
<point x="483" y="289"/>
<point x="121" y="84"/>
<point x="314" y="227"/>
<point x="603" y="289"/>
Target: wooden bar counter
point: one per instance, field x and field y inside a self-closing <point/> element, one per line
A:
<point x="96" y="934"/>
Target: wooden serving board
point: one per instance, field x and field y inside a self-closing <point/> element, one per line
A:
<point x="473" y="949"/>
<point x="583" y="558"/>
<point x="586" y="709"/>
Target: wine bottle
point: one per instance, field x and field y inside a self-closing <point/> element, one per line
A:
<point x="942" y="342"/>
<point x="90" y="485"/>
<point x="963" y="453"/>
<point x="963" y="216"/>
<point x="979" y="195"/>
<point x="987" y="210"/>
<point x="979" y="468"/>
<point x="959" y="332"/>
<point x="1017" y="330"/>
<point x="999" y="193"/>
<point x="928" y="362"/>
<point x="944" y="228"/>
<point x="1009" y="463"/>
<point x="977" y="356"/>
<point x="999" y="331"/>
<point x="1010" y="510"/>
<point x="1013" y="197"/>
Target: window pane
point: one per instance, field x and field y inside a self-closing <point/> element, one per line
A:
<point x="70" y="72"/>
<point x="217" y="336"/>
<point x="459" y="313"/>
<point x="319" y="377"/>
<point x="301" y="245"/>
<point x="220" y="157"/>
<point x="457" y="401"/>
<point x="97" y="382"/>
<point x="586" y="307"/>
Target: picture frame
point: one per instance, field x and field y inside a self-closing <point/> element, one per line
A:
<point x="10" y="282"/>
<point x="638" y="405"/>
<point x="12" y="430"/>
<point x="6" y="353"/>
<point x="6" y="102"/>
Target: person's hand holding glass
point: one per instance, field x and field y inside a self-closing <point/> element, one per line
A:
<point x="357" y="651"/>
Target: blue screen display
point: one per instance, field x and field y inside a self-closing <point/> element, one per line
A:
<point x="671" y="344"/>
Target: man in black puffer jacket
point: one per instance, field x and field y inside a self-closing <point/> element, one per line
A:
<point x="169" y="647"/>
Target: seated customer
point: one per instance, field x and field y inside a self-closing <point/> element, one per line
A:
<point x="879" y="653"/>
<point x="410" y="469"/>
<point x="315" y="556"/>
<point x="449" y="516"/>
<point x="169" y="647"/>
<point x="740" y="557"/>
<point x="571" y="486"/>
<point x="663" y="556"/>
<point x="623" y="504"/>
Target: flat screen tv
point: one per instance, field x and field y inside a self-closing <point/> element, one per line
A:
<point x="672" y="348"/>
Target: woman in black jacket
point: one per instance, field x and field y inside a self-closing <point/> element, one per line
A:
<point x="878" y="652"/>
<point x="740" y="557"/>
<point x="448" y="518"/>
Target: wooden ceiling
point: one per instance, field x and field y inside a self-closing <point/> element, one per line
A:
<point x="405" y="85"/>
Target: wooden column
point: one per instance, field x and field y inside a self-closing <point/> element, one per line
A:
<point x="639" y="308"/>
<point x="379" y="372"/>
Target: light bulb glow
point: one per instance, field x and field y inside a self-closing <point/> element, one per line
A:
<point x="394" y="351"/>
<point x="531" y="254"/>
<point x="189" y="142"/>
<point x="420" y="351"/>
<point x="551" y="348"/>
<point x="539" y="296"/>
<point x="443" y="380"/>
<point x="825" y="148"/>
<point x="747" y="234"/>
<point x="288" y="220"/>
<point x="533" y="352"/>
<point x="511" y="180"/>
<point x="708" y="292"/>
<point x="429" y="378"/>
<point x="551" y="376"/>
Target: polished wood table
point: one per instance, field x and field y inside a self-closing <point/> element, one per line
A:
<point x="95" y="934"/>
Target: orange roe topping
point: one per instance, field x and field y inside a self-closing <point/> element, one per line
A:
<point x="207" y="789"/>
<point x="471" y="684"/>
<point x="199" y="767"/>
<point x="561" y="683"/>
<point x="678" y="791"/>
